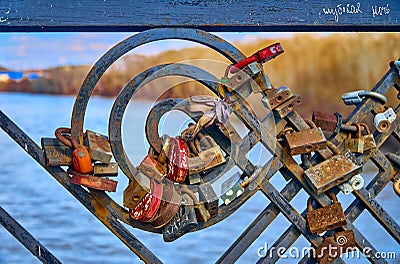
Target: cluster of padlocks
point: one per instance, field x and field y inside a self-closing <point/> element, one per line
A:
<point x="168" y="189"/>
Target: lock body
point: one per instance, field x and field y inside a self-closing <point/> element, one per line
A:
<point x="94" y="182"/>
<point x="332" y="171"/>
<point x="56" y="153"/>
<point x="169" y="206"/>
<point x="326" y="121"/>
<point x="136" y="190"/>
<point x="81" y="160"/>
<point x="288" y="106"/>
<point x="306" y="141"/>
<point x="99" y="146"/>
<point x="325" y="218"/>
<point x="146" y="209"/>
<point x="103" y="169"/>
<point x="232" y="193"/>
<point x="177" y="160"/>
<point x="208" y="196"/>
<point x="149" y="167"/>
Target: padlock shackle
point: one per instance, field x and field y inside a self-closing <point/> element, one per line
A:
<point x="309" y="204"/>
<point x="65" y="139"/>
<point x="332" y="196"/>
<point x="358" y="125"/>
<point x="366" y="128"/>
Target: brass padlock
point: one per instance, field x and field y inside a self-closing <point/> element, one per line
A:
<point x="207" y="158"/>
<point x="332" y="171"/>
<point x="355" y="145"/>
<point x="325" y="218"/>
<point x="99" y="146"/>
<point x="369" y="141"/>
<point x="306" y="141"/>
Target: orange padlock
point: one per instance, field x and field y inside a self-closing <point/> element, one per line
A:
<point x="80" y="156"/>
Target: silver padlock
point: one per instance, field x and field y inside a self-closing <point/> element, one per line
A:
<point x="383" y="120"/>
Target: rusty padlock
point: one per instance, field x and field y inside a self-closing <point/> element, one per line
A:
<point x="56" y="153"/>
<point x="369" y="141"/>
<point x="355" y="145"/>
<point x="136" y="190"/>
<point x="98" y="183"/>
<point x="325" y="218"/>
<point x="328" y="251"/>
<point x="332" y="171"/>
<point x="330" y="122"/>
<point x="209" y="155"/>
<point x="99" y="146"/>
<point x="150" y="167"/>
<point x="81" y="160"/>
<point x="334" y="246"/>
<point x="306" y="141"/>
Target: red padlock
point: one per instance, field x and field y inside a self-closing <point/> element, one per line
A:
<point x="80" y="157"/>
<point x="148" y="206"/>
<point x="260" y="56"/>
<point x="177" y="160"/>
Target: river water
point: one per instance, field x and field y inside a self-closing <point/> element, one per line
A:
<point x="73" y="235"/>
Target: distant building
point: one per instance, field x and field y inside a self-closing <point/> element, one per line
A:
<point x="6" y="76"/>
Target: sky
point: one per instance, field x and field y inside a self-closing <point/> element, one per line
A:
<point x="24" y="51"/>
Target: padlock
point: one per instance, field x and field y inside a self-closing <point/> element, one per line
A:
<point x="208" y="196"/>
<point x="325" y="218"/>
<point x="99" y="146"/>
<point x="202" y="214"/>
<point x="93" y="182"/>
<point x="183" y="222"/>
<point x="306" y="141"/>
<point x="288" y="106"/>
<point x="233" y="193"/>
<point x="56" y="153"/>
<point x="105" y="170"/>
<point x="149" y="205"/>
<point x="169" y="206"/>
<point x="354" y="183"/>
<point x="383" y="120"/>
<point x="369" y="141"/>
<point x="332" y="171"/>
<point x="330" y="122"/>
<point x="81" y="159"/>
<point x="207" y="158"/>
<point x="355" y="145"/>
<point x="276" y="97"/>
<point x="328" y="251"/>
<point x="149" y="167"/>
<point x="177" y="160"/>
<point x="136" y="190"/>
<point x="194" y="178"/>
<point x="334" y="246"/>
